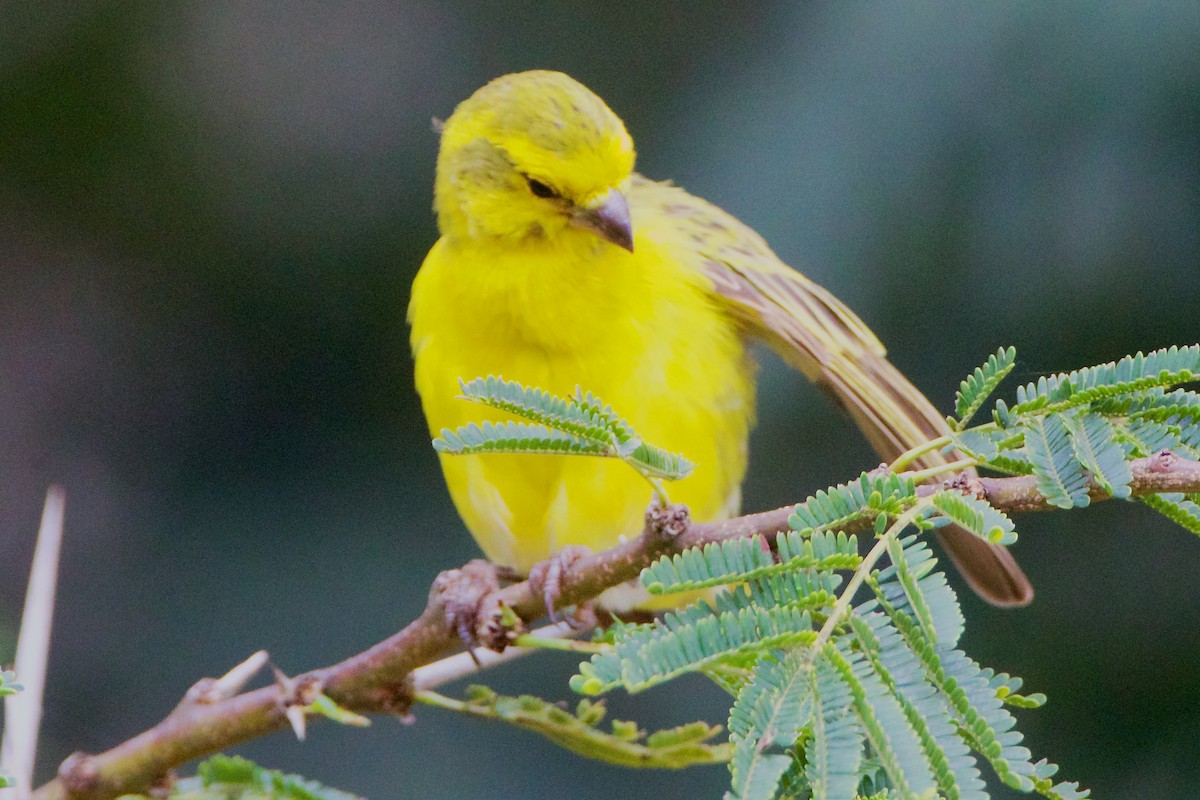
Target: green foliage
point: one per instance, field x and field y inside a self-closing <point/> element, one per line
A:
<point x="559" y="413"/>
<point x="839" y="696"/>
<point x="8" y="685"/>
<point x="1132" y="374"/>
<point x="911" y="586"/>
<point x="1076" y="432"/>
<point x="734" y="560"/>
<point x="976" y="515"/>
<point x="979" y="385"/>
<point x="1097" y="449"/>
<point x="766" y="720"/>
<point x="839" y="506"/>
<point x="514" y="437"/>
<point x="954" y="769"/>
<point x="834" y="755"/>
<point x="235" y="778"/>
<point x="647" y="655"/>
<point x="1184" y="510"/>
<point x="581" y="425"/>
<point x="324" y="706"/>
<point x="886" y="693"/>
<point x="626" y="745"/>
<point x="1059" y="471"/>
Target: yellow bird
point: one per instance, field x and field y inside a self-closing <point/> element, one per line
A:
<point x="559" y="266"/>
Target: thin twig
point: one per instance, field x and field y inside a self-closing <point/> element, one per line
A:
<point x="23" y="711"/>
<point x="913" y="453"/>
<point x="461" y="665"/>
<point x="922" y="475"/>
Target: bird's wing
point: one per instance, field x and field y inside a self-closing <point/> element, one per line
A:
<point x="820" y="336"/>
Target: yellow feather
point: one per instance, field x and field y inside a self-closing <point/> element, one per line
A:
<point x="636" y="329"/>
<point x="531" y="280"/>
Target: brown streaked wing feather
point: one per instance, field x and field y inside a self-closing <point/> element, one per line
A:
<point x="825" y="340"/>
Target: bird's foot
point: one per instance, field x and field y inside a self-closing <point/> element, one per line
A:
<point x="546" y="576"/>
<point x="469" y="597"/>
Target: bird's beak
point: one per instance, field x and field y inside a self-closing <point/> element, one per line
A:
<point x="608" y="217"/>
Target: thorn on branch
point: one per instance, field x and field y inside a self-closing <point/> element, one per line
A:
<point x="207" y="691"/>
<point x="295" y="696"/>
<point x="295" y="718"/>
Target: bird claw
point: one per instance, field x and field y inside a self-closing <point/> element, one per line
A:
<point x="546" y="576"/>
<point x="470" y="599"/>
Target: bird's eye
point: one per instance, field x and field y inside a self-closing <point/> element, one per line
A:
<point x="540" y="189"/>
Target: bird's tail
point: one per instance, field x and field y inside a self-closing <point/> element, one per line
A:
<point x="895" y="416"/>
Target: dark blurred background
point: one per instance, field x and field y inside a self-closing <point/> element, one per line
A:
<point x="210" y="215"/>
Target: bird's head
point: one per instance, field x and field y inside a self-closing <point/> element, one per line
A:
<point x="534" y="156"/>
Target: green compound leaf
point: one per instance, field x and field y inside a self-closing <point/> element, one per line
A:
<point x="737" y="560"/>
<point x="908" y="576"/>
<point x="945" y="619"/>
<point x="581" y="425"/>
<point x="559" y="413"/>
<point x="655" y="462"/>
<point x="983" y="445"/>
<point x="1160" y="368"/>
<point x="235" y="778"/>
<point x="765" y="722"/>
<point x="834" y="753"/>
<point x="711" y="565"/>
<point x="1181" y="509"/>
<point x="594" y="406"/>
<point x="1157" y="404"/>
<point x="515" y="437"/>
<point x="1145" y="437"/>
<point x="976" y="699"/>
<point x="979" y="385"/>
<point x="976" y="515"/>
<point x="887" y="730"/>
<point x="954" y="768"/>
<point x="1097" y="449"/>
<point x="627" y="745"/>
<point x="1060" y="476"/>
<point x="974" y="693"/>
<point x="647" y="655"/>
<point x="840" y="505"/>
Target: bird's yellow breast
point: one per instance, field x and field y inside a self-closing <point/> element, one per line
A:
<point x="637" y="329"/>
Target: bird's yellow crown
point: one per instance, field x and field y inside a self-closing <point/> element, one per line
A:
<point x="525" y="154"/>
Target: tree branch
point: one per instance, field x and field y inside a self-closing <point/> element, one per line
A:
<point x="379" y="679"/>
